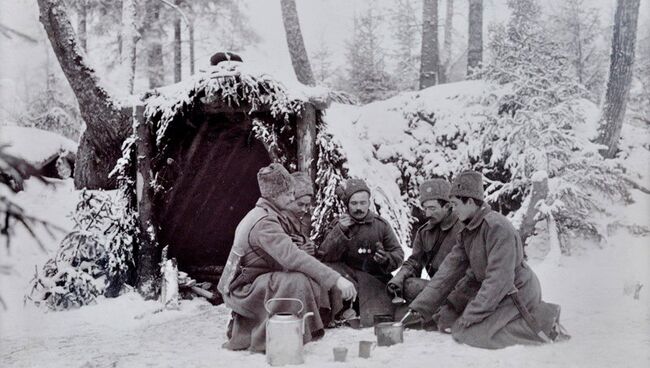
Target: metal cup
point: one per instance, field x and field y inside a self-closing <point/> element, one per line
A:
<point x="364" y="348"/>
<point x="340" y="354"/>
<point x="379" y="318"/>
<point x="389" y="333"/>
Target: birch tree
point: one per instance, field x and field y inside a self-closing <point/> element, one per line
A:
<point x="620" y="75"/>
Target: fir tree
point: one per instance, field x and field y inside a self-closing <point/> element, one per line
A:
<point x="93" y="260"/>
<point x="578" y="30"/>
<point x="533" y="130"/>
<point x="406" y="32"/>
<point x="368" y="78"/>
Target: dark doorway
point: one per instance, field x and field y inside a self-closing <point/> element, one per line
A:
<point x="212" y="189"/>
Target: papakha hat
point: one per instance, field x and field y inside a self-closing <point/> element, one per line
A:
<point x="303" y="184"/>
<point x="434" y="189"/>
<point x="468" y="184"/>
<point x="274" y="180"/>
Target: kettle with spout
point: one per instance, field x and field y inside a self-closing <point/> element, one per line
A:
<point x="284" y="335"/>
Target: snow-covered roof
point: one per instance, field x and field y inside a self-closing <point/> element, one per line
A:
<point x="34" y="145"/>
<point x="238" y="86"/>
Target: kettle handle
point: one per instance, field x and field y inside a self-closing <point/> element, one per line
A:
<point x="266" y="305"/>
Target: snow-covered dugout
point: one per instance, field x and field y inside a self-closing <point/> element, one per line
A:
<point x="209" y="137"/>
<point x="211" y="134"/>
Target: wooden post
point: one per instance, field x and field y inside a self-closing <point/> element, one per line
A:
<point x="306" y="134"/>
<point x="148" y="256"/>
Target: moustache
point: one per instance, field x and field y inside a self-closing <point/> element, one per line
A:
<point x="358" y="212"/>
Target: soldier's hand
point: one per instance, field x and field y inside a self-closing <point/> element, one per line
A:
<point x="394" y="287"/>
<point x="445" y="318"/>
<point x="380" y="256"/>
<point x="345" y="221"/>
<point x="308" y="248"/>
<point x="347" y="288"/>
<point x="463" y="322"/>
<point x="297" y="239"/>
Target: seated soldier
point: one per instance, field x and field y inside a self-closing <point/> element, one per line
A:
<point x="299" y="213"/>
<point x="505" y="307"/>
<point x="363" y="247"/>
<point x="264" y="263"/>
<point x="431" y="245"/>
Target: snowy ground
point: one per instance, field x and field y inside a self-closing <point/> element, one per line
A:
<point x="609" y="327"/>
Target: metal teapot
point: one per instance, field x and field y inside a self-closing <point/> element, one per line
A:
<point x="284" y="335"/>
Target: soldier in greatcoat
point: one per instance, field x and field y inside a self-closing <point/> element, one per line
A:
<point x="265" y="263"/>
<point x="505" y="305"/>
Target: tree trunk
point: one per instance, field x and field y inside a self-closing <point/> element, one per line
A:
<point x="475" y="37"/>
<point x="299" y="58"/>
<point x="620" y="75"/>
<point x="82" y="21"/>
<point x="191" y="34"/>
<point x="106" y="125"/>
<point x="148" y="256"/>
<point x="130" y="38"/>
<point x="449" y="28"/>
<point x="153" y="37"/>
<point x="430" y="60"/>
<point x="177" y="46"/>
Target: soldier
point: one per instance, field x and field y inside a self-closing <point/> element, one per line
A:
<point x="505" y="307"/>
<point x="264" y="263"/>
<point x="299" y="213"/>
<point x="363" y="247"/>
<point x="432" y="242"/>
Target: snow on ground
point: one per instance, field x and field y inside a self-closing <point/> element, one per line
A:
<point x="609" y="327"/>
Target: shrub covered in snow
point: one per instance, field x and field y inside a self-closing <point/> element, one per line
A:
<point x="94" y="259"/>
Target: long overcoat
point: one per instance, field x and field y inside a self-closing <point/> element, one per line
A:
<point x="264" y="263"/>
<point x="489" y="254"/>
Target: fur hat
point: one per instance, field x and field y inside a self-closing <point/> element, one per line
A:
<point x="303" y="184"/>
<point x="349" y="187"/>
<point x="468" y="184"/>
<point x="224" y="56"/>
<point x="434" y="189"/>
<point x="274" y="180"/>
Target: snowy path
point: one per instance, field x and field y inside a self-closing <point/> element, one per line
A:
<point x="609" y="329"/>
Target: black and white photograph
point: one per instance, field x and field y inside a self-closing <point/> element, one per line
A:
<point x="325" y="183"/>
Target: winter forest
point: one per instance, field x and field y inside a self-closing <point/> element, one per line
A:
<point x="133" y="134"/>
